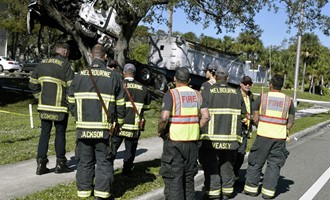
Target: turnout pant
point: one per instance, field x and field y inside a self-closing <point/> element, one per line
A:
<point x="218" y="171"/>
<point x="178" y="169"/>
<point x="130" y="150"/>
<point x="275" y="153"/>
<point x="88" y="153"/>
<point x="240" y="156"/>
<point x="60" y="140"/>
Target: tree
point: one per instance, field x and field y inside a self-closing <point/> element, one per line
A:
<point x="130" y="13"/>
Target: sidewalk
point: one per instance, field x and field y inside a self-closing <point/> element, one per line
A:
<point x="19" y="179"/>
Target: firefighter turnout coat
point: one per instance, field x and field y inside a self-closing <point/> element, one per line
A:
<point x="226" y="106"/>
<point x="91" y="120"/>
<point x="49" y="83"/>
<point x="141" y="99"/>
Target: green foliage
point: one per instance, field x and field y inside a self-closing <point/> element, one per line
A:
<point x="140" y="53"/>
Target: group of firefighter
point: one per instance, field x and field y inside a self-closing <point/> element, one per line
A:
<point x="209" y="127"/>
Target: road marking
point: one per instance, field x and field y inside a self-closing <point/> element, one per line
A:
<point x="317" y="186"/>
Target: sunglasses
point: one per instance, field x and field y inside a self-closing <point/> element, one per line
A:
<point x="247" y="83"/>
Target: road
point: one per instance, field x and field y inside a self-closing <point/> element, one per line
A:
<point x="305" y="174"/>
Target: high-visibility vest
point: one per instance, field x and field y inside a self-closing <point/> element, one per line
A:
<point x="247" y="103"/>
<point x="184" y="119"/>
<point x="273" y="115"/>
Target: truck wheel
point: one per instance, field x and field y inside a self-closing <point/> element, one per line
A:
<point x="1" y="68"/>
<point x="145" y="75"/>
<point x="85" y="31"/>
<point x="160" y="83"/>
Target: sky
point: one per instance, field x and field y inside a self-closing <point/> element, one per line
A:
<point x="273" y="25"/>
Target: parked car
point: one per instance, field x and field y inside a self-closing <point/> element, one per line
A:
<point x="8" y="64"/>
<point x="29" y="65"/>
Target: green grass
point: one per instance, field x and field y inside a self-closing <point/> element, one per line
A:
<point x="300" y="95"/>
<point x="17" y="136"/>
<point x="145" y="178"/>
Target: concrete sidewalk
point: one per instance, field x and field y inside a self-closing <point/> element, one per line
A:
<point x="19" y="179"/>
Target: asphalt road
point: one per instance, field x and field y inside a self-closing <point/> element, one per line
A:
<point x="305" y="174"/>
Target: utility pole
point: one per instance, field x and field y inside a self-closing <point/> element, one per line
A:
<point x="296" y="73"/>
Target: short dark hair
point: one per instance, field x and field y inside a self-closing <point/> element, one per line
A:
<point x="62" y="45"/>
<point x="182" y="74"/>
<point x="98" y="51"/>
<point x="277" y="81"/>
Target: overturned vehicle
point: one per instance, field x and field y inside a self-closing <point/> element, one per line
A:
<point x="168" y="54"/>
<point x="95" y="20"/>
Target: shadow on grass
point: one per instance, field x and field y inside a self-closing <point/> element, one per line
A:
<point x="14" y="140"/>
<point x="121" y="154"/>
<point x="141" y="174"/>
<point x="12" y="96"/>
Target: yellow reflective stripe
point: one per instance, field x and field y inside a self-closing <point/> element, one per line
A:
<point x="92" y="125"/>
<point x="33" y="80"/>
<point x="130" y="127"/>
<point x="233" y="128"/>
<point x="37" y="95"/>
<point x="52" y="80"/>
<point x="71" y="99"/>
<point x="58" y="82"/>
<point x="253" y="190"/>
<point x="120" y="120"/>
<point x="225" y="111"/>
<point x="52" y="108"/>
<point x="84" y="194"/>
<point x="68" y="83"/>
<point x="93" y="95"/>
<point x="221" y="137"/>
<point x="269" y="193"/>
<point x="227" y="190"/>
<point x="101" y="194"/>
<point x="138" y="106"/>
<point x="213" y="192"/>
<point x="120" y="102"/>
<point x="233" y="112"/>
<point x="79" y="109"/>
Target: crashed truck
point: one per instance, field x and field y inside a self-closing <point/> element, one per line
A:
<point x="168" y="54"/>
<point x="95" y="19"/>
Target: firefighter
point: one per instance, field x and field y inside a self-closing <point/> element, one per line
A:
<point x="49" y="82"/>
<point x="245" y="88"/>
<point x="274" y="113"/>
<point x="210" y="75"/>
<point x="130" y="131"/>
<point x="179" y="126"/>
<point x="221" y="137"/>
<point x="94" y="149"/>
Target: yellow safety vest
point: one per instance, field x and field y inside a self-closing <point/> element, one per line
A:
<point x="184" y="119"/>
<point x="273" y="115"/>
<point x="248" y="109"/>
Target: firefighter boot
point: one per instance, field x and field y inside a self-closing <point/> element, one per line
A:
<point x="41" y="166"/>
<point x="61" y="166"/>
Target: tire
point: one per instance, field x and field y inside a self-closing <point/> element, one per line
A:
<point x="1" y="68"/>
<point x="160" y="82"/>
<point x="85" y="31"/>
<point x="145" y="75"/>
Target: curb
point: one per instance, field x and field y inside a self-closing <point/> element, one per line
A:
<point x="158" y="194"/>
